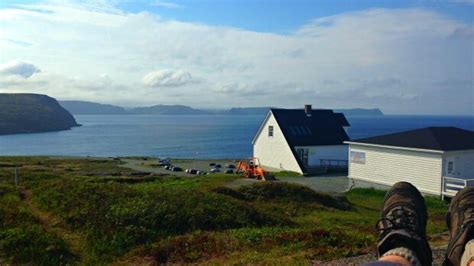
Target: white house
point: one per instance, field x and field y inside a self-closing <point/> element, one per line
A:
<point x="301" y="140"/>
<point x="437" y="160"/>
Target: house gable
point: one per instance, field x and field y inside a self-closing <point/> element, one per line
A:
<point x="274" y="151"/>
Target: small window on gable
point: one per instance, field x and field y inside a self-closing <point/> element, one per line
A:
<point x="270" y="131"/>
<point x="450" y="167"/>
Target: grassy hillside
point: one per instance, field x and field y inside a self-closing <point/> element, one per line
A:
<point x="92" y="211"/>
<point x="30" y="113"/>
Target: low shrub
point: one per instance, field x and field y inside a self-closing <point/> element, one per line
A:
<point x="118" y="217"/>
<point x="229" y="192"/>
<point x="22" y="241"/>
<point x="281" y="191"/>
<point x="33" y="246"/>
<point x="205" y="246"/>
<point x="196" y="247"/>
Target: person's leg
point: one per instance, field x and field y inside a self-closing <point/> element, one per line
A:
<point x="468" y="255"/>
<point x="402" y="226"/>
<point x="460" y="221"/>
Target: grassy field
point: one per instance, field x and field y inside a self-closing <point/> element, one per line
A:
<point x="93" y="211"/>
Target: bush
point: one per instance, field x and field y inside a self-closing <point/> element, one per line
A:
<point x="204" y="246"/>
<point x="32" y="245"/>
<point x="118" y="217"/>
<point x="195" y="247"/>
<point x="291" y="192"/>
<point x="229" y="192"/>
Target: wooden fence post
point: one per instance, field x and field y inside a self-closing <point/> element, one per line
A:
<point x="17" y="176"/>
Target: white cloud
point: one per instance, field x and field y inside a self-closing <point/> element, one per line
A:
<point x="387" y="58"/>
<point x="166" y="4"/>
<point x="18" y="68"/>
<point x="167" y="78"/>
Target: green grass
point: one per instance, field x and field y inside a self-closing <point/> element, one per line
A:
<point x="285" y="174"/>
<point x="202" y="183"/>
<point x="22" y="237"/>
<point x="117" y="218"/>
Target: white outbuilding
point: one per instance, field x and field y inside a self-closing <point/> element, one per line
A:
<point x="302" y="140"/>
<point x="437" y="160"/>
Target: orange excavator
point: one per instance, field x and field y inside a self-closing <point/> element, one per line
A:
<point x="251" y="169"/>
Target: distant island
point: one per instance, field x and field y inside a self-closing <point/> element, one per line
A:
<point x="168" y="110"/>
<point x="32" y="113"/>
<point x="91" y="108"/>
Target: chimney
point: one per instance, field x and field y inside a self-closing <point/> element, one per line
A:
<point x="307" y="109"/>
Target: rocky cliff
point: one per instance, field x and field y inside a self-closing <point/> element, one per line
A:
<point x="32" y="113"/>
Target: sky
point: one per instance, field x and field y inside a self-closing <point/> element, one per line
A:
<point x="404" y="57"/>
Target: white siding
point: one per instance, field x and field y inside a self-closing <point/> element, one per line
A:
<point x="463" y="164"/>
<point x="334" y="152"/>
<point x="274" y="151"/>
<point x="388" y="166"/>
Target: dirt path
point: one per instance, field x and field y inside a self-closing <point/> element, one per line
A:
<point x="54" y="225"/>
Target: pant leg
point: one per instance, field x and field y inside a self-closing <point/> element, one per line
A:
<point x="468" y="255"/>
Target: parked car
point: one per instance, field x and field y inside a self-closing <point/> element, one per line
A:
<point x="215" y="170"/>
<point x="212" y="164"/>
<point x="163" y="162"/>
<point x="230" y="166"/>
<point x="177" y="169"/>
<point x="168" y="167"/>
<point x="217" y="166"/>
<point x="229" y="171"/>
<point x="193" y="171"/>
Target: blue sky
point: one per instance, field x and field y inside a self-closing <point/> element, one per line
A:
<point x="283" y="16"/>
<point x="401" y="56"/>
<point x="274" y="15"/>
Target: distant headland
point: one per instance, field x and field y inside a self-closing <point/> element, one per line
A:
<point x="32" y="113"/>
<point x="91" y="108"/>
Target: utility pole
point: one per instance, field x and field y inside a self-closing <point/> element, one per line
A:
<point x="17" y="175"/>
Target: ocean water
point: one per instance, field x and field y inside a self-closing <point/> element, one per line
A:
<point x="203" y="136"/>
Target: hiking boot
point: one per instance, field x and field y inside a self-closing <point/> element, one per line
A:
<point x="403" y="222"/>
<point x="460" y="221"/>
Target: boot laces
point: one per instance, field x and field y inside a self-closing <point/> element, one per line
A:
<point x="468" y="217"/>
<point x="398" y="218"/>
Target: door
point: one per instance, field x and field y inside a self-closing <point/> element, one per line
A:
<point x="303" y="156"/>
<point x="450" y="168"/>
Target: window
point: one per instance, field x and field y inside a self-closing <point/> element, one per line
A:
<point x="270" y="131"/>
<point x="358" y="157"/>
<point x="450" y="167"/>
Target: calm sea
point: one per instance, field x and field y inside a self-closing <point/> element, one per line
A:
<point x="206" y="136"/>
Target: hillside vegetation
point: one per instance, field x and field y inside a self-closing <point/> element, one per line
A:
<point x="31" y="113"/>
<point x="93" y="211"/>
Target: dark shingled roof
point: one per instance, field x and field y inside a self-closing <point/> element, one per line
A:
<point x="430" y="138"/>
<point x="323" y="127"/>
<point x="342" y="119"/>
